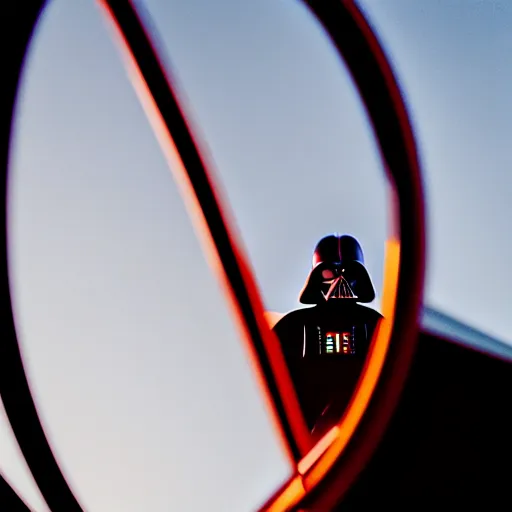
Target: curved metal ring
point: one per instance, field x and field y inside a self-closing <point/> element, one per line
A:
<point x="359" y="48"/>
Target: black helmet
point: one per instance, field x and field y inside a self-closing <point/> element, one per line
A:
<point x="338" y="272"/>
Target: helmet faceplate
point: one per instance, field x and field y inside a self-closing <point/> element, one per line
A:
<point x="338" y="272"/>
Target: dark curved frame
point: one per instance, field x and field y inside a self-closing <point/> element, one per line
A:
<point x="371" y="72"/>
<point x="16" y="28"/>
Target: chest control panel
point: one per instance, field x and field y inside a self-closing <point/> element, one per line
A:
<point x="346" y="342"/>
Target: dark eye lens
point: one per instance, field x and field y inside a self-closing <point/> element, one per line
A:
<point x="327" y="274"/>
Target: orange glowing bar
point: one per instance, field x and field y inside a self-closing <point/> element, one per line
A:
<point x="317" y="450"/>
<point x="291" y="495"/>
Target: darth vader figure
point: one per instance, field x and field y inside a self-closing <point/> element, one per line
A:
<point x="325" y="346"/>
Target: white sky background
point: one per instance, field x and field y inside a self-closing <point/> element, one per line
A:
<point x="106" y="269"/>
<point x="454" y="61"/>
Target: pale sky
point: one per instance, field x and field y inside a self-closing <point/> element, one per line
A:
<point x="105" y="266"/>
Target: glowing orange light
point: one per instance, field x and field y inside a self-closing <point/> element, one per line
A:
<point x="317" y="450"/>
<point x="291" y="494"/>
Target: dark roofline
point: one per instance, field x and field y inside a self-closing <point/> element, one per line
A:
<point x="441" y="324"/>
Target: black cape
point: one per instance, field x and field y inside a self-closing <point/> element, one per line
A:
<point x="325" y="380"/>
